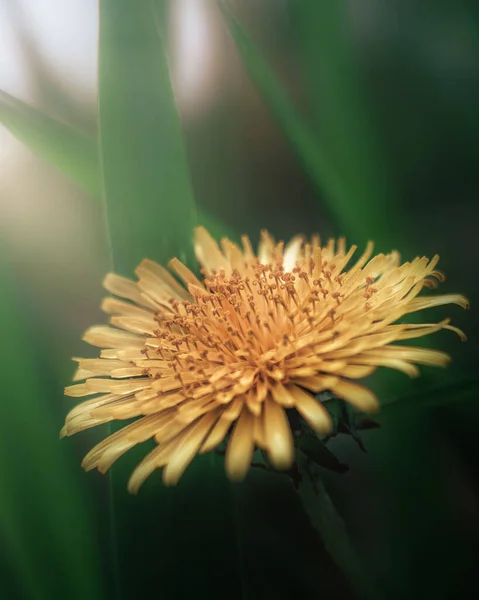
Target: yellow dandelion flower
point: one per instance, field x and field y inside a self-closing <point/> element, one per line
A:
<point x="226" y="355"/>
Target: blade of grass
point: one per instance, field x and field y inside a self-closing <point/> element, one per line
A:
<point x="308" y="149"/>
<point x="149" y="199"/>
<point x="342" y="119"/>
<point x="44" y="517"/>
<point x="68" y="150"/>
<point x="353" y="184"/>
<point x="151" y="212"/>
<point x="328" y="523"/>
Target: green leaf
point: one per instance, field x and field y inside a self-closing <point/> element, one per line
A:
<point x="309" y="149"/>
<point x="151" y="210"/>
<point x="45" y="518"/>
<point x="68" y="150"/>
<point x="343" y="120"/>
<point x="173" y="542"/>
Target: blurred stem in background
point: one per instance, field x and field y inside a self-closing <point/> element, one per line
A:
<point x="342" y="155"/>
<point x="325" y="519"/>
<point x="342" y="118"/>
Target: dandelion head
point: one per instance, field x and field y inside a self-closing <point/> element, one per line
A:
<point x="229" y="355"/>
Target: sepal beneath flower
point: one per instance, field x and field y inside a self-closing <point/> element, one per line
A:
<point x="317" y="451"/>
<point x="347" y="419"/>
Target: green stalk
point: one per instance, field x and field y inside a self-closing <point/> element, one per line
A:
<point x="331" y="528"/>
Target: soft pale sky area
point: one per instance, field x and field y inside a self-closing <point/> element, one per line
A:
<point x="39" y="209"/>
<point x="63" y="33"/>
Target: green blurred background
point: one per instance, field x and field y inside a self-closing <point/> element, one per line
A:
<point x="355" y="117"/>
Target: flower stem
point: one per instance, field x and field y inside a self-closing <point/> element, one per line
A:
<point x="331" y="528"/>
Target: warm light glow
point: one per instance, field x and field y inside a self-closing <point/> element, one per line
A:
<point x="62" y="34"/>
<point x="195" y="62"/>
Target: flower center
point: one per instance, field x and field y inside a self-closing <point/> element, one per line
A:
<point x="244" y="329"/>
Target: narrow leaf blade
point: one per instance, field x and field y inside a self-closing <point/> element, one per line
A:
<point x="149" y="198"/>
<point x="342" y="118"/>
<point x="70" y="151"/>
<point x="151" y="213"/>
<point x="309" y="150"/>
